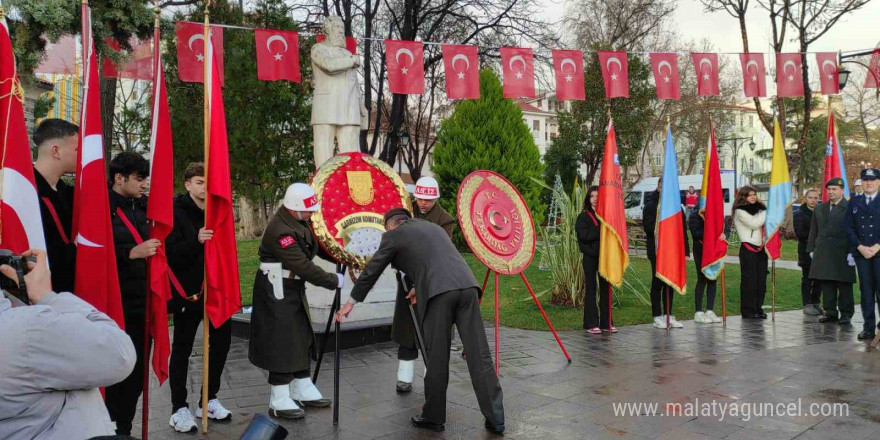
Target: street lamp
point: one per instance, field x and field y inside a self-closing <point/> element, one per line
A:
<point x="842" y="76"/>
<point x="736" y="146"/>
<point x="403" y="139"/>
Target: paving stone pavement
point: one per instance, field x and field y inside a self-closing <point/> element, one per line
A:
<point x="795" y="359"/>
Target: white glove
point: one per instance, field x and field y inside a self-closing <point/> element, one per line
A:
<point x="341" y="280"/>
<point x="811" y="255"/>
<point x="850" y="260"/>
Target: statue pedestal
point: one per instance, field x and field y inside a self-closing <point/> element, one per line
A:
<point x="376" y="310"/>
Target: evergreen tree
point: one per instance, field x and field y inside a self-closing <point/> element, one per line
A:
<point x="488" y="134"/>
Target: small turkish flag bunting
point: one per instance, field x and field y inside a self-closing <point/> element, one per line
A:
<point x="277" y="55"/>
<point x="615" y="73"/>
<point x="191" y="51"/>
<point x="569" y="68"/>
<point x="754" y="75"/>
<point x="706" y="66"/>
<point x="462" y="71"/>
<point x="350" y="43"/>
<point x="872" y="78"/>
<point x="666" y="76"/>
<point x="405" y="61"/>
<point x="789" y="79"/>
<point x="517" y="64"/>
<point x="828" y="77"/>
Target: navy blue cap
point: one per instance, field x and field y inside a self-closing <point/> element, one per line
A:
<point x="870" y="174"/>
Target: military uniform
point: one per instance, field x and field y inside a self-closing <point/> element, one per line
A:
<point x="828" y="243"/>
<point x="438" y="216"/>
<point x="863" y="228"/>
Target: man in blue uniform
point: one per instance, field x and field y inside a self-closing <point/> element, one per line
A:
<point x="863" y="229"/>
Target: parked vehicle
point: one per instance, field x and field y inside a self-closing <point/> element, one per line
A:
<point x="635" y="197"/>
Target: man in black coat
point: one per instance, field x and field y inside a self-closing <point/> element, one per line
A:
<point x="803" y="217"/>
<point x="128" y="210"/>
<point x="446" y="293"/>
<point x="659" y="307"/>
<point x="185" y="248"/>
<point x="835" y="267"/>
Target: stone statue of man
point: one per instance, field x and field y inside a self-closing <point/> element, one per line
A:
<point x="337" y="109"/>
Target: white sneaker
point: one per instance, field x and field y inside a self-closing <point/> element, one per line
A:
<point x="673" y="323"/>
<point x="281" y="405"/>
<point x="712" y="317"/>
<point x="216" y="411"/>
<point x="700" y="318"/>
<point x="659" y="322"/>
<point x="182" y="421"/>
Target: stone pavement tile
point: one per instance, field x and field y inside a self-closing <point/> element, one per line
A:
<point x="682" y="433"/>
<point x="710" y="426"/>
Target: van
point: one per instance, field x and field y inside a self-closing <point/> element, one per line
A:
<point x="634" y="201"/>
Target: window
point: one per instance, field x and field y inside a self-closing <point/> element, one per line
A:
<point x="657" y="160"/>
<point x="751" y="164"/>
<point x="726" y="195"/>
<point x="540" y="101"/>
<point x="751" y="121"/>
<point x="536" y="125"/>
<point x="632" y="200"/>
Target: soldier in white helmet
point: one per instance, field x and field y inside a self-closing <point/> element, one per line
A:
<point x="281" y="336"/>
<point x="425" y="207"/>
<point x="857" y="188"/>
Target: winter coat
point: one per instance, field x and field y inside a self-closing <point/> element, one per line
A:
<point x="587" y="228"/>
<point x="828" y="243"/>
<point x="803" y="217"/>
<point x="132" y="272"/>
<point x="186" y="256"/>
<point x="749" y="222"/>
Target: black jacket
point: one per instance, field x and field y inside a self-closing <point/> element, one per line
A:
<point x="649" y="222"/>
<point x="186" y="256"/>
<point x="696" y="224"/>
<point x="802" y="220"/>
<point x="587" y="230"/>
<point x="62" y="257"/>
<point x="132" y="273"/>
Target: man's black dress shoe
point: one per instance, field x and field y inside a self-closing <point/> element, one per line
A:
<point x="403" y="387"/>
<point x="866" y="335"/>
<point x="844" y="321"/>
<point x="419" y="422"/>
<point x="828" y="319"/>
<point x="761" y="315"/>
<point x="319" y="403"/>
<point x="494" y="429"/>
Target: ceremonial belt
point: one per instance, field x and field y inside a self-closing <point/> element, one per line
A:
<point x="54" y="215"/>
<point x="137" y="239"/>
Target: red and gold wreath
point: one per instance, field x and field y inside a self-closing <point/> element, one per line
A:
<point x="355" y="191"/>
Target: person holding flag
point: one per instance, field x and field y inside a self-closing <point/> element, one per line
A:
<point x="778" y="201"/>
<point x="707" y="231"/>
<point x="749" y="216"/>
<point x="588" y="236"/>
<point x="613" y="241"/>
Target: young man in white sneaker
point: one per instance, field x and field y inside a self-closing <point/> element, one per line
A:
<point x="659" y="295"/>
<point x="696" y="223"/>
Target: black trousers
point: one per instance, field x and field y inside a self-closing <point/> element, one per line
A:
<point x="186" y="324"/>
<point x="659" y="291"/>
<point x="753" y="284"/>
<point x="407" y="353"/>
<point x="276" y="378"/>
<point x="838" y="295"/>
<point x="121" y="399"/>
<point x="459" y="307"/>
<point x="703" y="284"/>
<point x="810" y="288"/>
<point x="595" y="316"/>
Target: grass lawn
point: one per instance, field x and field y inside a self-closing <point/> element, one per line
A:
<point x="518" y="310"/>
<point x="789" y="250"/>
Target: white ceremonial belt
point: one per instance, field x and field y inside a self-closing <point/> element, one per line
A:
<point x="276" y="276"/>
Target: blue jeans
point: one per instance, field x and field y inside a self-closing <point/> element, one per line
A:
<point x="869" y="285"/>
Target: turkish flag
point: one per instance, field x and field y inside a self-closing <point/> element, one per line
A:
<point x="517" y="65"/>
<point x="277" y="55"/>
<point x="191" y="50"/>
<point x="96" y="279"/>
<point x="706" y="66"/>
<point x="569" y="68"/>
<point x="222" y="291"/>
<point x="136" y="65"/>
<point x="872" y="77"/>
<point x="615" y="73"/>
<point x="828" y="76"/>
<point x="405" y="61"/>
<point x="754" y="75"/>
<point x="789" y="79"/>
<point x="665" y="66"/>
<point x="462" y="71"/>
<point x="350" y="43"/>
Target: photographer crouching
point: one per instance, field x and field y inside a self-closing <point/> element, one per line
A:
<point x="56" y="350"/>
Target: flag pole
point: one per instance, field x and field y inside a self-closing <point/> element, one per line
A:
<point x="667" y="308"/>
<point x="723" y="298"/>
<point x="609" y="308"/>
<point x="207" y="130"/>
<point x="773" y="291"/>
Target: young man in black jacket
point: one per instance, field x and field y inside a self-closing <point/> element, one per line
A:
<point x="803" y="218"/>
<point x="659" y="306"/>
<point x="185" y="247"/>
<point x="128" y="210"/>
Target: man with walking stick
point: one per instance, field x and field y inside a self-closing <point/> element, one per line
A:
<point x="281" y="335"/>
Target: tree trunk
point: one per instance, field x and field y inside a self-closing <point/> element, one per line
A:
<point x="252" y="221"/>
<point x="108" y="105"/>
<point x="368" y="71"/>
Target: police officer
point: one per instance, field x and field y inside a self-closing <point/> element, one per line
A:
<point x="863" y="229"/>
<point x="281" y="335"/>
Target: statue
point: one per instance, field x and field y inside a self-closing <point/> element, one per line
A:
<point x="337" y="109"/>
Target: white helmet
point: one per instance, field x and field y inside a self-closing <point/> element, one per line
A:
<point x="427" y="189"/>
<point x="858" y="182"/>
<point x="301" y="197"/>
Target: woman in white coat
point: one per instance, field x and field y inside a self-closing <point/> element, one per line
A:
<point x="749" y="217"/>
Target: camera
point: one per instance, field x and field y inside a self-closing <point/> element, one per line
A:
<point x="19" y="264"/>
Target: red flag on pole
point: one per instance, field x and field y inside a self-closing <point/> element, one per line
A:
<point x="462" y="71"/>
<point x="872" y="77"/>
<point x="754" y="75"/>
<point x="223" y="294"/>
<point x="21" y="227"/>
<point x="350" y="43"/>
<point x="277" y="55"/>
<point x="136" y="65"/>
<point x="517" y="64"/>
<point x="160" y="212"/>
<point x="96" y="279"/>
<point x="666" y="76"/>
<point x="615" y="73"/>
<point x="405" y="61"/>
<point x="569" y="68"/>
<point x="712" y="210"/>
<point x="706" y="67"/>
<point x="828" y="76"/>
<point x="191" y="51"/>
<point x="789" y="79"/>
<point x="613" y="239"/>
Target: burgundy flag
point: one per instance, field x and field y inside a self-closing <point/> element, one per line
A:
<point x="277" y="55"/>
<point x="665" y="66"/>
<point x="517" y="64"/>
<point x="405" y="61"/>
<point x="789" y="79"/>
<point x="872" y="77"/>
<point x="706" y="67"/>
<point x="615" y="73"/>
<point x="754" y="75"/>
<point x="350" y="43"/>
<point x="569" y="68"/>
<point x="136" y="65"/>
<point x="191" y="51"/>
<point x="828" y="77"/>
<point x="462" y="71"/>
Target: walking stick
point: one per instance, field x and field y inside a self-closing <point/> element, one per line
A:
<point x="723" y="298"/>
<point x="336" y="363"/>
<point x="773" y="291"/>
<point x="419" y="338"/>
<point x="340" y="269"/>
